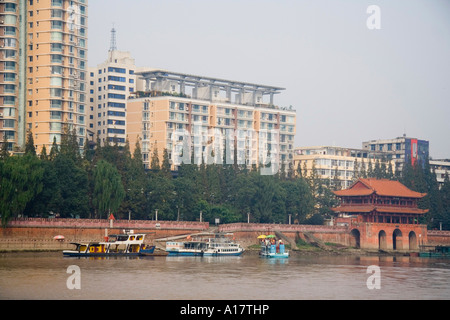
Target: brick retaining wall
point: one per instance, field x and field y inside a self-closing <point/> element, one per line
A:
<point x="38" y="233"/>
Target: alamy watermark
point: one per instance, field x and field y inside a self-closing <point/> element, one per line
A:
<point x="227" y="146"/>
<point x="74" y="280"/>
<point x="373" y="22"/>
<point x="374" y="280"/>
<point x="74" y="17"/>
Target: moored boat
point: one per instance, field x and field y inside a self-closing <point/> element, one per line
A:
<point x="127" y="244"/>
<point x="204" y="247"/>
<point x="271" y="248"/>
<point x="435" y="252"/>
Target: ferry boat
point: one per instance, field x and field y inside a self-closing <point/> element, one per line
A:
<point x="207" y="247"/>
<point x="270" y="248"/>
<point x="127" y="244"/>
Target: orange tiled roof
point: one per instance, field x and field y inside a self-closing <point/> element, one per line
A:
<point x="382" y="187"/>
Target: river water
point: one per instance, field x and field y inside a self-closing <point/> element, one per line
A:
<point x="248" y="277"/>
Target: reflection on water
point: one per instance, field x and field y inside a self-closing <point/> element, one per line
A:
<point x="248" y="277"/>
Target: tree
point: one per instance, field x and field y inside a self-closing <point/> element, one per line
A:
<point x="20" y="182"/>
<point x="154" y="164"/>
<point x="445" y="198"/>
<point x="165" y="166"/>
<point x="71" y="198"/>
<point x="69" y="145"/>
<point x="108" y="189"/>
<point x="29" y="144"/>
<point x="299" y="200"/>
<point x="54" y="151"/>
<point x="4" y="148"/>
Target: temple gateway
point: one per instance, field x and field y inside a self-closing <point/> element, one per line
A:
<point x="382" y="214"/>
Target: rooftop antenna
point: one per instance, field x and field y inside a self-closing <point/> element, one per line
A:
<point x="113" y="45"/>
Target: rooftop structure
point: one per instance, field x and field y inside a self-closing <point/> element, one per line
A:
<point x="207" y="88"/>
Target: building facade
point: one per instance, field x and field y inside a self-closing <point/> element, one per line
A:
<point x="440" y="168"/>
<point x="110" y="85"/>
<point x="13" y="48"/>
<point x="219" y="121"/>
<point x="337" y="164"/>
<point x="50" y="42"/>
<point x="401" y="150"/>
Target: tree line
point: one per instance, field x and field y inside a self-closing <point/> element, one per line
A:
<point x="109" y="179"/>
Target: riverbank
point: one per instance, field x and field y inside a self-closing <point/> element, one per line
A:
<point x="38" y="234"/>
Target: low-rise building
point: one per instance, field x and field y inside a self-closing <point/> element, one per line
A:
<point x="337" y="164"/>
<point x="440" y="168"/>
<point x="401" y="150"/>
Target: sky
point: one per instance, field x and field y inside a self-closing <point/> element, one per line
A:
<point x="347" y="82"/>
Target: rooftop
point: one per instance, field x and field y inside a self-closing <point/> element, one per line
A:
<point x="382" y="187"/>
<point x="208" y="88"/>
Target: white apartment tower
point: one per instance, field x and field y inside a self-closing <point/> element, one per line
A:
<point x="110" y="85"/>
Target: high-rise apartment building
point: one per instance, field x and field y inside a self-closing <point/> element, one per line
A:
<point x="52" y="39"/>
<point x="216" y="118"/>
<point x="13" y="46"/>
<point x="110" y="85"/>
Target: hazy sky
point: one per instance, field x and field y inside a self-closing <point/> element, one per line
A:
<point x="348" y="83"/>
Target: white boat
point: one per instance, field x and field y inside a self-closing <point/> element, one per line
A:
<point x="127" y="244"/>
<point x="206" y="247"/>
<point x="223" y="247"/>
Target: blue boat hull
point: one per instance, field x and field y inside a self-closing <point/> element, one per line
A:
<point x="276" y="256"/>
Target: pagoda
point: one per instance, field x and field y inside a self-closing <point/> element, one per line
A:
<point x="383" y="213"/>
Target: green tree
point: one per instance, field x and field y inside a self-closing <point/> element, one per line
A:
<point x="29" y="144"/>
<point x="154" y="163"/>
<point x="445" y="198"/>
<point x="20" y="182"/>
<point x="108" y="189"/>
<point x="299" y="199"/>
<point x="71" y="198"/>
<point x="4" y="148"/>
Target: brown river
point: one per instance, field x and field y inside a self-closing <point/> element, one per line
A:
<point x="44" y="276"/>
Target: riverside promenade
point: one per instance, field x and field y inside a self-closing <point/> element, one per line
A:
<point x="25" y="234"/>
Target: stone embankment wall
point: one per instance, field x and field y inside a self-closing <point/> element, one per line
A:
<point x="38" y="233"/>
<point x="248" y="232"/>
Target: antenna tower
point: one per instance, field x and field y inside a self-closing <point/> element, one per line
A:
<point x="113" y="45"/>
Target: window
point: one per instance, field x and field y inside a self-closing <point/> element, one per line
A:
<point x="56" y="24"/>
<point x="116" y="113"/>
<point x="117" y="131"/>
<point x="8" y="123"/>
<point x="57" y="3"/>
<point x="116" y="87"/>
<point x="116" y="96"/>
<point x="117" y="70"/>
<point x="116" y="105"/>
<point x="9" y="42"/>
<point x="116" y="78"/>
